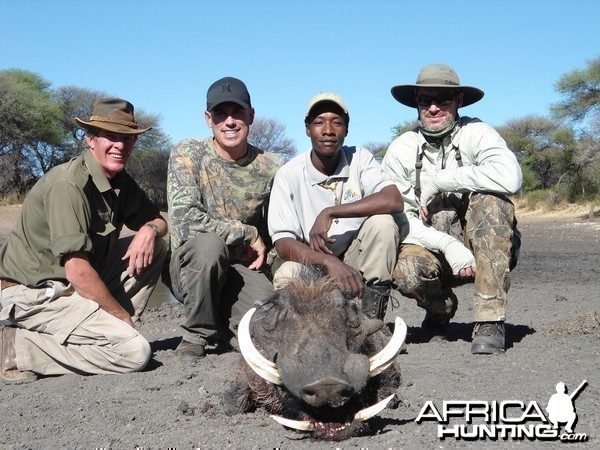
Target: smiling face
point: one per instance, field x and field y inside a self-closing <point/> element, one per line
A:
<point x="327" y="130"/>
<point x="111" y="150"/>
<point x="230" y="124"/>
<point x="438" y="107"/>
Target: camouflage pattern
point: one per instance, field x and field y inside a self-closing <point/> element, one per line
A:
<point x="209" y="194"/>
<point x="488" y="229"/>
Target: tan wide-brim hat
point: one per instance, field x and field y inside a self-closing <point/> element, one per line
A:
<point x="112" y="114"/>
<point x="436" y="76"/>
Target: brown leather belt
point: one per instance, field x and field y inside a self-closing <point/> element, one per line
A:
<point x="4" y="283"/>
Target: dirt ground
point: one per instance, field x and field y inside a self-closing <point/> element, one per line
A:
<point x="553" y="334"/>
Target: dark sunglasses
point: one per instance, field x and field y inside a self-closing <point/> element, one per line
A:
<point x="440" y="100"/>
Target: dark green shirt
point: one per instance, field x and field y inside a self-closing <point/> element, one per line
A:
<point x="72" y="208"/>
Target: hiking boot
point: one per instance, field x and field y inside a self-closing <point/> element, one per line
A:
<point x="434" y="331"/>
<point x="8" y="359"/>
<point x="488" y="338"/>
<point x="375" y="300"/>
<point x="190" y="351"/>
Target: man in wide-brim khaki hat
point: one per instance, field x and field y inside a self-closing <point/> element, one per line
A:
<point x="72" y="294"/>
<point x="455" y="174"/>
<point x="112" y="114"/>
<point x="436" y="76"/>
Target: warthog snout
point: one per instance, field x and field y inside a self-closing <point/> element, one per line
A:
<point x="327" y="391"/>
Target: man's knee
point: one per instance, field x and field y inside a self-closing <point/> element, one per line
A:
<point x="286" y="272"/>
<point x="383" y="227"/>
<point x="135" y="354"/>
<point x="490" y="215"/>
<point x="204" y="250"/>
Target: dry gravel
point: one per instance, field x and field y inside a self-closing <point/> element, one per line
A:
<point x="553" y="335"/>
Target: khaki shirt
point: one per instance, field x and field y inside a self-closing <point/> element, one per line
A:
<point x="72" y="208"/>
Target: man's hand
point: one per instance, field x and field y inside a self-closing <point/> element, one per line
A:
<point x="257" y="250"/>
<point x="348" y="279"/>
<point x="460" y="259"/>
<point x="319" y="233"/>
<point x="140" y="251"/>
<point x="427" y="194"/>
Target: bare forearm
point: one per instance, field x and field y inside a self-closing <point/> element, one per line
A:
<point x="387" y="201"/>
<point x="88" y="284"/>
<point x="292" y="250"/>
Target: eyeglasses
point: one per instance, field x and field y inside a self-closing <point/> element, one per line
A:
<point x="440" y="100"/>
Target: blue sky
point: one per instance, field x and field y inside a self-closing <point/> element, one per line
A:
<point x="163" y="55"/>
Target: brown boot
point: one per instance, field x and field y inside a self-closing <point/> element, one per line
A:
<point x="8" y="359"/>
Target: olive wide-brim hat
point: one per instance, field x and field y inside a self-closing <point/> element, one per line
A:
<point x="436" y="76"/>
<point x="112" y="114"/>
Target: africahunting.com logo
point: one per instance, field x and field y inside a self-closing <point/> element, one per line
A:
<point x="510" y="419"/>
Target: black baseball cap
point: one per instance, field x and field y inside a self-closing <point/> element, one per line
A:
<point x="227" y="89"/>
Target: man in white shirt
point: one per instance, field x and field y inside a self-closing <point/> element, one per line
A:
<point x="331" y="207"/>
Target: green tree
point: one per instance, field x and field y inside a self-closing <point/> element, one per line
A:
<point x="581" y="92"/>
<point x="149" y="161"/>
<point x="403" y="127"/>
<point x="532" y="139"/>
<point x="31" y="136"/>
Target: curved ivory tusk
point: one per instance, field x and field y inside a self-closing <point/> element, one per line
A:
<point x="382" y="360"/>
<point x="261" y="365"/>
<point x="302" y="425"/>
<point x="373" y="410"/>
<point x="361" y="416"/>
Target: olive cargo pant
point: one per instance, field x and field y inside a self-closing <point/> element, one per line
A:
<point x="488" y="230"/>
<point x="215" y="293"/>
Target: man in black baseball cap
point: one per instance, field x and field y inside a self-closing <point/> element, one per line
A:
<point x="227" y="89"/>
<point x="217" y="192"/>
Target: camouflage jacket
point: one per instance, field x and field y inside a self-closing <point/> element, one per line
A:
<point x="210" y="194"/>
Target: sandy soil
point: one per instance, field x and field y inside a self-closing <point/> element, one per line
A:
<point x="553" y="335"/>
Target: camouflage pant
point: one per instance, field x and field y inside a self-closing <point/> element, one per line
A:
<point x="488" y="229"/>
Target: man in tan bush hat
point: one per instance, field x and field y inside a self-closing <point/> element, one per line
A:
<point x="71" y="289"/>
<point x="455" y="174"/>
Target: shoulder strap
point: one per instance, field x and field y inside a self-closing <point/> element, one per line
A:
<point x="418" y="167"/>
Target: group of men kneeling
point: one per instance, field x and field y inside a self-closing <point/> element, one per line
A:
<point x="433" y="215"/>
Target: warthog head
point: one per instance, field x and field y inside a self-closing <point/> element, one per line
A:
<point x="313" y="358"/>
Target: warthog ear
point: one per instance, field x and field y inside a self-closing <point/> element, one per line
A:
<point x="352" y="312"/>
<point x="273" y="313"/>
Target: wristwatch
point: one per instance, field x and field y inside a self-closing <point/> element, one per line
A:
<point x="154" y="227"/>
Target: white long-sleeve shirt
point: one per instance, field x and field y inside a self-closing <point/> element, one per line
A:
<point x="488" y="166"/>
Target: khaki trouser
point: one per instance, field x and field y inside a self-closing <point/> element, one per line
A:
<point x="488" y="230"/>
<point x="61" y="332"/>
<point x="372" y="252"/>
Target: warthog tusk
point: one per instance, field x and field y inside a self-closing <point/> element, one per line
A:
<point x="373" y="410"/>
<point x="302" y="425"/>
<point x="261" y="365"/>
<point x="382" y="360"/>
<point x="361" y="416"/>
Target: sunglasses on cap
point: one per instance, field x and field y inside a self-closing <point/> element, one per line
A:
<point x="440" y="100"/>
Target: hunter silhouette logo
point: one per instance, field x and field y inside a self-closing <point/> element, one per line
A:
<point x="509" y="419"/>
<point x="560" y="407"/>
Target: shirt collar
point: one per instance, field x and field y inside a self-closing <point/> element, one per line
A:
<point x="102" y="183"/>
<point x="341" y="171"/>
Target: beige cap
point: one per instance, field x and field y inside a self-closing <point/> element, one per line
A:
<point x="327" y="97"/>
